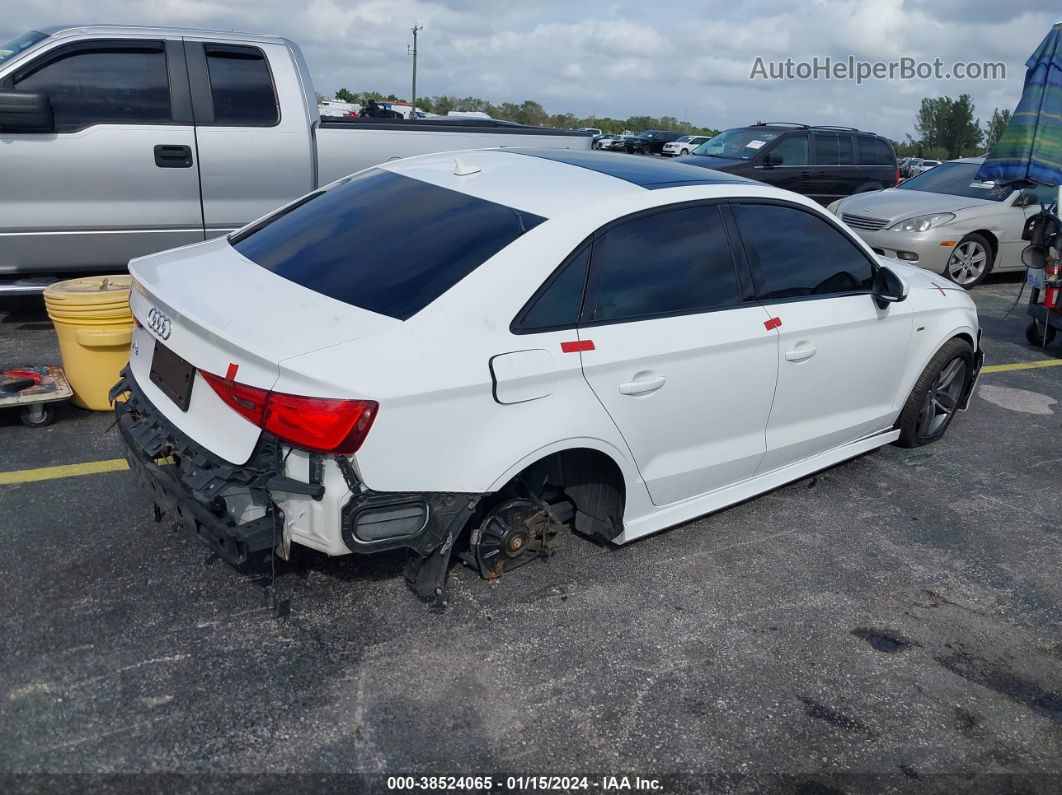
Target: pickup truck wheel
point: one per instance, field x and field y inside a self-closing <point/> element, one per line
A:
<point x="935" y="398"/>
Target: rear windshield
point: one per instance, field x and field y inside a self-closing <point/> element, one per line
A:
<point x="383" y="242"/>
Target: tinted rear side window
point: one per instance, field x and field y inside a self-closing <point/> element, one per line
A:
<point x="798" y="254"/>
<point x="874" y="152"/>
<point x="241" y="86"/>
<point x="383" y="242"/>
<point x="558" y="305"/>
<point x="844" y="150"/>
<point x="666" y="263"/>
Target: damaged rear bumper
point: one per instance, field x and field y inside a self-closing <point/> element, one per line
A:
<point x="278" y="497"/>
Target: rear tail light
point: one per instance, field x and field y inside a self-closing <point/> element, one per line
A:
<point x="896" y="177"/>
<point x="322" y="425"/>
<point x="248" y="401"/>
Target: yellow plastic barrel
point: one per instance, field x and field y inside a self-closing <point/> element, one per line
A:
<point x="95" y="327"/>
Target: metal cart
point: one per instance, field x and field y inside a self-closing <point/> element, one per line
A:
<point x="35" y="391"/>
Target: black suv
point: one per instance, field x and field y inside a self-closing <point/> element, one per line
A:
<point x="823" y="163"/>
<point x="651" y="142"/>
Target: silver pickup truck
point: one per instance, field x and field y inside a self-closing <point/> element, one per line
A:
<point x="118" y="141"/>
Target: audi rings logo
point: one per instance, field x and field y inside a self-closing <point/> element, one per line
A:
<point x="159" y="323"/>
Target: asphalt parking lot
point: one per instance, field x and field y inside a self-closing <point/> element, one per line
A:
<point x="896" y="618"/>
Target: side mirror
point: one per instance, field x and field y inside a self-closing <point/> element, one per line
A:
<point x="1026" y="198"/>
<point x="888" y="288"/>
<point x="773" y="159"/>
<point x="25" y="112"/>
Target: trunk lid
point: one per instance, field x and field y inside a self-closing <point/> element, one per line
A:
<point x="226" y="315"/>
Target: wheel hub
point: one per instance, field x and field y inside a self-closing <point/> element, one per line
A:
<point x="512" y="534"/>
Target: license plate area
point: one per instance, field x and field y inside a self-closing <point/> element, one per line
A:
<point x="172" y="375"/>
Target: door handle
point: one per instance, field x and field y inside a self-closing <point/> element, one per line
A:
<point x="173" y="156"/>
<point x="800" y="353"/>
<point x="641" y="386"/>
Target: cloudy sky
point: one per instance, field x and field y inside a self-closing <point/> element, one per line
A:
<point x="685" y="58"/>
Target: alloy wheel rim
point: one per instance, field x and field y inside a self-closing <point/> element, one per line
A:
<point x="942" y="399"/>
<point x="967" y="262"/>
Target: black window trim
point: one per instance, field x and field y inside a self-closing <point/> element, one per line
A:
<point x="203" y="95"/>
<point x="739" y="261"/>
<point x="754" y="261"/>
<point x="173" y="58"/>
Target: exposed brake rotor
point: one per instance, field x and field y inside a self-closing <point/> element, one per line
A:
<point x="511" y="534"/>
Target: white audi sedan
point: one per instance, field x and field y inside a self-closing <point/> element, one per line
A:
<point x="555" y="339"/>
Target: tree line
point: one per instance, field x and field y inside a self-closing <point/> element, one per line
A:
<point x="945" y="128"/>
<point x="531" y="112"/>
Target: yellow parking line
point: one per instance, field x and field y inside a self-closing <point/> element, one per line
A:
<point x="64" y="471"/>
<point x="119" y="464"/>
<point x="1006" y="368"/>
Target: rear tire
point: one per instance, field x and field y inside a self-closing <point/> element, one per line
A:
<point x="934" y="400"/>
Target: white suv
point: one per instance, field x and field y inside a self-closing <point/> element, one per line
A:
<point x="552" y="338"/>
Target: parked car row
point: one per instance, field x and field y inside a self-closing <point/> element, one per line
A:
<point x="913" y="166"/>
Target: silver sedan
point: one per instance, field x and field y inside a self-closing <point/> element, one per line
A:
<point x="946" y="221"/>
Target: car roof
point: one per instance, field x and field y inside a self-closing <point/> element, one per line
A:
<point x="811" y="128"/>
<point x="548" y="182"/>
<point x="120" y="30"/>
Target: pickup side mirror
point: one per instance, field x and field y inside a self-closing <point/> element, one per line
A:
<point x="773" y="159"/>
<point x="888" y="288"/>
<point x="25" y="112"/>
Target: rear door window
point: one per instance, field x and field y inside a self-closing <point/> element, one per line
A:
<point x="797" y="254"/>
<point x="383" y="242"/>
<point x="844" y="150"/>
<point x="672" y="262"/>
<point x="826" y="149"/>
<point x="119" y="82"/>
<point x="874" y="151"/>
<point x="241" y="86"/>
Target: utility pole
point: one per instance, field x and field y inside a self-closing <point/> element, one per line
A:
<point x="413" y="52"/>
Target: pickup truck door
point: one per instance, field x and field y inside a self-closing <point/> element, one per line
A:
<point x="252" y="129"/>
<point x="117" y="177"/>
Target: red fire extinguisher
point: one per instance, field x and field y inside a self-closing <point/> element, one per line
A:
<point x="1052" y="283"/>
